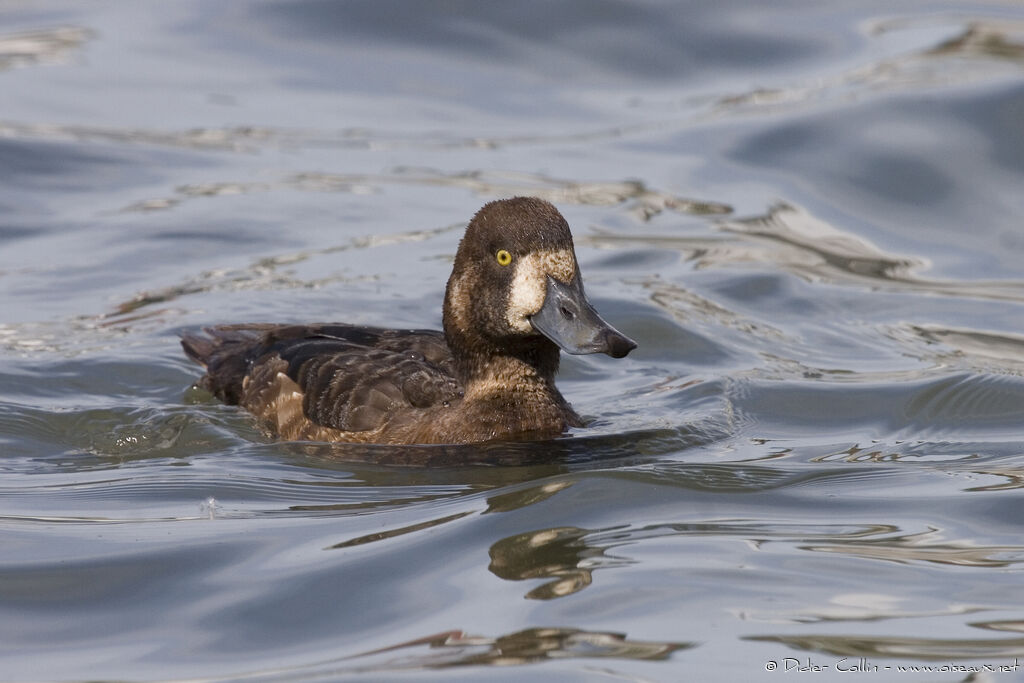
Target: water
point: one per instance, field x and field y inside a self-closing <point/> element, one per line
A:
<point x="809" y="217"/>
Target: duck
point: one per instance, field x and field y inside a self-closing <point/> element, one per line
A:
<point x="513" y="302"/>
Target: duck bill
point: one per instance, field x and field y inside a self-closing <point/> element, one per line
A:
<point x="568" y="319"/>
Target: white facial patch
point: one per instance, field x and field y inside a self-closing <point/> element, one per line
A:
<point x="459" y="301"/>
<point x="530" y="284"/>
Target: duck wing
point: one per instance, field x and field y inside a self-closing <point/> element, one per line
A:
<point x="350" y="378"/>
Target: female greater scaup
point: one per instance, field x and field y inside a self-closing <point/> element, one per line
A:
<point x="514" y="297"/>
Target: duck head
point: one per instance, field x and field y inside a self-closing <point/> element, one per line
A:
<point x="516" y="285"/>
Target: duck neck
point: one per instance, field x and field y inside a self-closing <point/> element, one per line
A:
<point x="483" y="363"/>
<point x="523" y="371"/>
<point x="510" y="365"/>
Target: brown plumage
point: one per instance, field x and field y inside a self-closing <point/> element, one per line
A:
<point x="514" y="297"/>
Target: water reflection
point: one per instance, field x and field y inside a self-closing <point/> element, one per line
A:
<point x="1008" y="477"/>
<point x="821" y="250"/>
<point x="570" y="451"/>
<point x="394" y="533"/>
<point x="855" y="607"/>
<point x="927" y="649"/>
<point x="53" y="46"/>
<point x="642" y="202"/>
<point x="986" y="39"/>
<point x="925" y="546"/>
<point x="565" y="558"/>
<point x="515" y="500"/>
<point x="559" y="554"/>
<point x="805" y="245"/>
<point x="969" y="56"/>
<point x="979" y="349"/>
<point x="457" y="648"/>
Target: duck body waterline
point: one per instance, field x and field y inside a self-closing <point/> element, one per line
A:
<point x="514" y="299"/>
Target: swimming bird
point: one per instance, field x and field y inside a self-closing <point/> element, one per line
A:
<point x="514" y="299"/>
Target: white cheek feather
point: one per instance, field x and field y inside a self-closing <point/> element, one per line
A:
<point x="457" y="296"/>
<point x="529" y="283"/>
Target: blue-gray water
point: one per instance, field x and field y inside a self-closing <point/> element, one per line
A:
<point x="809" y="215"/>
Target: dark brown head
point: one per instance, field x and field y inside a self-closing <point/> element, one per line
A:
<point x="516" y="288"/>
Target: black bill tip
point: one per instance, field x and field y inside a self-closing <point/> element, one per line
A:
<point x="616" y="344"/>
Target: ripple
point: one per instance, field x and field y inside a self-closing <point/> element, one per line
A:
<point x="216" y="488"/>
<point x="394" y="533"/>
<point x="606" y="450"/>
<point x="955" y="408"/>
<point x="790" y="237"/>
<point x="925" y="547"/>
<point x="643" y="202"/>
<point x="927" y="649"/>
<point x="856" y="607"/>
<point x="990" y="403"/>
<point x="458" y="649"/>
<point x="45" y="46"/>
<point x="984" y="351"/>
<point x="83" y="439"/>
<point x="979" y="50"/>
<point x="565" y="558"/>
<point x="832" y="251"/>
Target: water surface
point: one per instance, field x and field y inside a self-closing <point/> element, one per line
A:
<point x="808" y="216"/>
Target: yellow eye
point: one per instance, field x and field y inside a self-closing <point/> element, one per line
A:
<point x="504" y="258"/>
